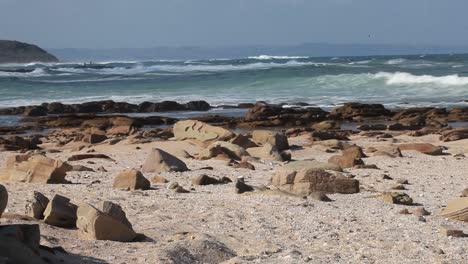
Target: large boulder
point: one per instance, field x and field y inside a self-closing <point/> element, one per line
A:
<point x="132" y="180"/>
<point x="425" y="148"/>
<point x="60" y="212"/>
<point x="39" y="169"/>
<point x="457" y="209"/>
<point x="109" y="223"/>
<point x="3" y="199"/>
<point x="349" y="158"/>
<point x="20" y="244"/>
<point x="278" y="140"/>
<point x="308" y="181"/>
<point x="227" y="149"/>
<point x="192" y="129"/>
<point x="160" y="161"/>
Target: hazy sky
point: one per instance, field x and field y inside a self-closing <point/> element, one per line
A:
<point x="150" y="23"/>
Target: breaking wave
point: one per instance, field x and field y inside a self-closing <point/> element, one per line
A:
<point x="404" y="78"/>
<point x="271" y="57"/>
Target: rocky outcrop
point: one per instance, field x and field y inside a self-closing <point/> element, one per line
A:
<point x="360" y="112"/>
<point x="19" y="52"/>
<point x="38" y="169"/>
<point x="191" y="129"/>
<point x="107" y="223"/>
<point x="160" y="161"/>
<point x="266" y="115"/>
<point x="131" y="180"/>
<point x="455" y="134"/>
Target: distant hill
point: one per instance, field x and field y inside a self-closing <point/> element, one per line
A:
<point x="19" y="52"/>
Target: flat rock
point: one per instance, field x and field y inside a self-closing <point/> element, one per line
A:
<point x="457" y="209"/>
<point x="425" y="148"/>
<point x="39" y="169"/>
<point x="192" y="129"/>
<point x="221" y="148"/>
<point x="77" y="157"/>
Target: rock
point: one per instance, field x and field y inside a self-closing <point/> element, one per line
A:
<point x="39" y="169"/>
<point x="198" y="106"/>
<point x="454" y="134"/>
<point x="307" y="181"/>
<point x="278" y="140"/>
<point x="15" y="159"/>
<point x="464" y="193"/>
<point x="243" y="141"/>
<point x="330" y="143"/>
<point x="221" y="148"/>
<point x="20" y="244"/>
<point x="242" y="187"/>
<point x="269" y="152"/>
<point x="191" y="129"/>
<point x="60" y="212"/>
<point x="158" y="179"/>
<point x="19" y="143"/>
<point x="180" y="189"/>
<point x="160" y="161"/>
<point x="399" y="187"/>
<point x="386" y="150"/>
<point x="397" y="198"/>
<point x="404" y="211"/>
<point x="420" y="212"/>
<point x="77" y="157"/>
<point x="81" y="168"/>
<point x="3" y="199"/>
<point x="326" y="125"/>
<point x="93" y="138"/>
<point x="457" y="209"/>
<point x="132" y="180"/>
<point x="37" y="206"/>
<point x="425" y="148"/>
<point x="450" y="231"/>
<point x="195" y="249"/>
<point x="372" y="127"/>
<point x="205" y="180"/>
<point x="109" y="224"/>
<point x="402" y="181"/>
<point x="349" y="158"/>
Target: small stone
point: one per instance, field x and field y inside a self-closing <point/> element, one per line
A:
<point x="159" y="179"/>
<point x="320" y="196"/>
<point x="180" y="189"/>
<point x="464" y="193"/>
<point x="402" y="181"/>
<point x="421" y="219"/>
<point x="205" y="180"/>
<point x="386" y="177"/>
<point x="131" y="179"/>
<point x="397" y="198"/>
<point x="242" y="187"/>
<point x="173" y="185"/>
<point x="450" y="231"/>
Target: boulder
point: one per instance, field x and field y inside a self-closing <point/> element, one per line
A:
<point x="304" y="180"/>
<point x="205" y="180"/>
<point x="425" y="148"/>
<point x="39" y="169"/>
<point x="37" y="206"/>
<point x="60" y="212"/>
<point x="349" y="158"/>
<point x="132" y="180"/>
<point x="278" y="140"/>
<point x="359" y="112"/>
<point x="218" y="148"/>
<point x="192" y="129"/>
<point x="3" y="199"/>
<point x="109" y="223"/>
<point x="243" y="141"/>
<point x="160" y="161"/>
<point x="19" y="244"/>
<point x="457" y="209"/>
<point x="269" y="152"/>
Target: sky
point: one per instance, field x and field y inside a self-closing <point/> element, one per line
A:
<point x="153" y="23"/>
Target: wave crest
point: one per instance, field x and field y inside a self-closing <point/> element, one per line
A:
<point x="399" y="78"/>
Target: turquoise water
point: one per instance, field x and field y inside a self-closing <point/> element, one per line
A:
<point x="397" y="81"/>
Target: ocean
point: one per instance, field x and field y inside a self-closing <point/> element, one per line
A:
<point x="395" y="81"/>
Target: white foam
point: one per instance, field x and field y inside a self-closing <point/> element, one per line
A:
<point x="404" y="78"/>
<point x="395" y="61"/>
<point x="272" y="57"/>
